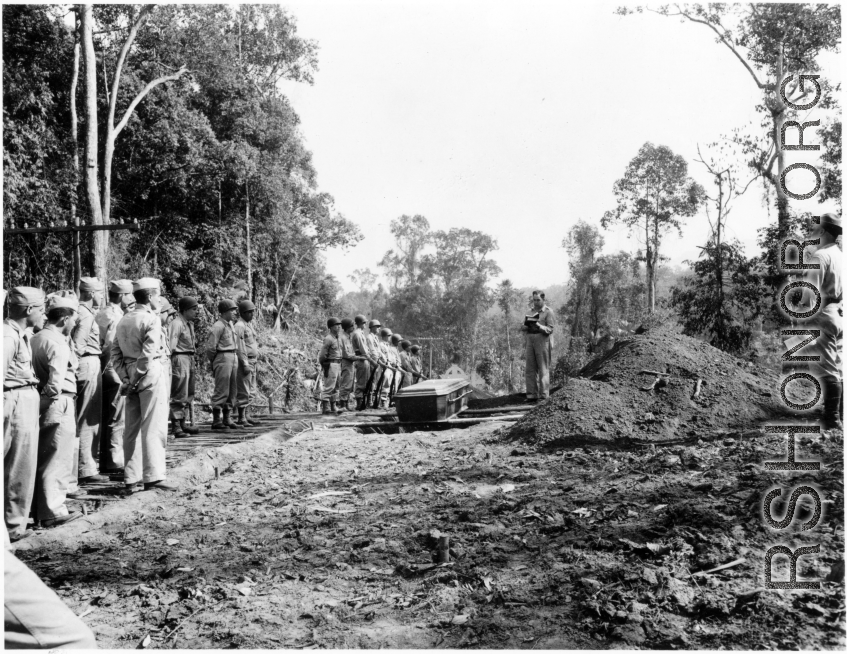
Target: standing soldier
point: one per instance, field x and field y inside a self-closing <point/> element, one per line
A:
<point x="406" y="363"/>
<point x="330" y="360"/>
<point x="182" y="347"/>
<point x="365" y="362"/>
<point x="248" y="357"/>
<point x="348" y="365"/>
<point x="89" y="390"/>
<point x="20" y="407"/>
<point x="166" y="314"/>
<point x="137" y="358"/>
<point x="55" y="365"/>
<point x="112" y="416"/>
<point x="378" y="369"/>
<point x="417" y="366"/>
<point x="221" y="351"/>
<point x="390" y="368"/>
<point x="539" y="347"/>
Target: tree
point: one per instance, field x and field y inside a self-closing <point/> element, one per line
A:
<point x="411" y="236"/>
<point x="508" y="299"/>
<point x="831" y="169"/>
<point x="652" y="197"/>
<point x="582" y="245"/>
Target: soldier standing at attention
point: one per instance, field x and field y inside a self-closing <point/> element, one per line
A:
<point x="20" y="407"/>
<point x="330" y="360"/>
<point x="417" y="366"/>
<point x="365" y="363"/>
<point x="166" y="314"/>
<point x="137" y="358"/>
<point x="221" y="350"/>
<point x="348" y="365"/>
<point x="539" y="348"/>
<point x="182" y="346"/>
<point x="390" y="368"/>
<point x="55" y="365"/>
<point x="112" y="416"/>
<point x="406" y="362"/>
<point x="375" y="347"/>
<point x="89" y="384"/>
<point x="248" y="357"/>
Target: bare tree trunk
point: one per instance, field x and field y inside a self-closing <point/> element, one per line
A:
<point x="509" y="348"/>
<point x="77" y="259"/>
<point x="249" y="253"/>
<point x="651" y="289"/>
<point x="99" y="244"/>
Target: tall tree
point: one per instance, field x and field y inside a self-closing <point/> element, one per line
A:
<point x="508" y="299"/>
<point x="653" y="196"/>
<point x="582" y="244"/>
<point x="411" y="236"/>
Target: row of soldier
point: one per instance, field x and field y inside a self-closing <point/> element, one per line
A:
<point x="90" y="388"/>
<point x="368" y="367"/>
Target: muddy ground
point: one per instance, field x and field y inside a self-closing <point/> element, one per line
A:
<point x="326" y="540"/>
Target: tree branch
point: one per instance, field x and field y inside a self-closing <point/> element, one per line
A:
<point x="138" y="98"/>
<point x="119" y="64"/>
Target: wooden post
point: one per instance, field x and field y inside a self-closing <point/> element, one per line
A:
<point x="443" y="555"/>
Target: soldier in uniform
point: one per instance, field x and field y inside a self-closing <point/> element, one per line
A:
<point x="417" y="366"/>
<point x="248" y="358"/>
<point x="539" y="348"/>
<point x="406" y="362"/>
<point x="348" y="365"/>
<point x="56" y="365"/>
<point x="20" y="407"/>
<point x="366" y="362"/>
<point x="390" y="367"/>
<point x="182" y="347"/>
<point x="89" y="384"/>
<point x="137" y="356"/>
<point x="221" y="350"/>
<point x="330" y="360"/>
<point x="375" y="348"/>
<point x="112" y="416"/>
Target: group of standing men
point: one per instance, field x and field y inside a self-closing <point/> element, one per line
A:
<point x="368" y="366"/>
<point x="90" y="387"/>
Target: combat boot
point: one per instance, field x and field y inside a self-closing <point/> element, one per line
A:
<point x="832" y="403"/>
<point x="188" y="429"/>
<point x="178" y="432"/>
<point x="251" y="420"/>
<point x="325" y="407"/>
<point x="340" y="407"/>
<point x="228" y="421"/>
<point x="217" y="423"/>
<point x="241" y="422"/>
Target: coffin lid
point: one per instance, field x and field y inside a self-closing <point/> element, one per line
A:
<point x="434" y="387"/>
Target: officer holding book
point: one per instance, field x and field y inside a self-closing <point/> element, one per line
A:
<point x="538" y="327"/>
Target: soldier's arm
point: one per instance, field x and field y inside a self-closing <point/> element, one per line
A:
<point x="174" y="330"/>
<point x="150" y="343"/>
<point x="81" y="332"/>
<point x="9" y="350"/>
<point x="324" y="351"/>
<point x="549" y="322"/>
<point x="117" y="357"/>
<point x="57" y="365"/>
<point x="212" y="342"/>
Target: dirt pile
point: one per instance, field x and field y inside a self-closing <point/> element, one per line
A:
<point x="608" y="403"/>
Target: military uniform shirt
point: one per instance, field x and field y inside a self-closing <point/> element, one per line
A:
<point x="54" y="361"/>
<point x="359" y="340"/>
<point x="17" y="357"/>
<point x="331" y="349"/>
<point x="347" y="351"/>
<point x="829" y="275"/>
<point x="375" y="346"/>
<point x="86" y="335"/>
<point x="247" y="343"/>
<point x="107" y="323"/>
<point x="138" y="338"/>
<point x="181" y="336"/>
<point x="222" y="338"/>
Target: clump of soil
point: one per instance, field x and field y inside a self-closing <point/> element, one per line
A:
<point x="607" y="404"/>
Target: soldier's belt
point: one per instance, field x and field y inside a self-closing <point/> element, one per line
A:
<point x="190" y="354"/>
<point x="17" y="388"/>
<point x="91" y="354"/>
<point x="218" y="351"/>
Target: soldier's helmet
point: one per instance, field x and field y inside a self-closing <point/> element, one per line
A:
<point x="332" y="322"/>
<point x="374" y="323"/>
<point x="360" y="319"/>
<point x="385" y="332"/>
<point x="346" y="323"/>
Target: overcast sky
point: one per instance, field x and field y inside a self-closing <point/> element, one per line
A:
<point x="514" y="118"/>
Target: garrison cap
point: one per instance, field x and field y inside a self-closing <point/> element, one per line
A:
<point x="385" y="332"/>
<point x="90" y="284"/>
<point x="146" y="283"/>
<point x="395" y="338"/>
<point x="26" y="296"/>
<point x="360" y="319"/>
<point x="332" y="322"/>
<point x="832" y="221"/>
<point x="245" y="306"/>
<point x="62" y="300"/>
<point x="185" y="303"/>
<point x="415" y="348"/>
<point x="226" y="305"/>
<point x="121" y="286"/>
<point x="346" y="323"/>
<point x="374" y="323"/>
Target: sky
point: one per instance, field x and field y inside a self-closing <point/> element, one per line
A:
<point x="514" y="119"/>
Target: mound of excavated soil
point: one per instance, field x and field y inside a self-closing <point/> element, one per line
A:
<point x="607" y="405"/>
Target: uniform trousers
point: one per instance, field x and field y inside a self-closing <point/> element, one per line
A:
<point x="34" y="616"/>
<point x="225" y="369"/>
<point x="828" y="344"/>
<point x="182" y="384"/>
<point x="387" y="380"/>
<point x="363" y="374"/>
<point x="537" y="366"/>
<point x="112" y="426"/>
<point x="146" y="431"/>
<point x="246" y="388"/>
<point x="89" y="400"/>
<point x="345" y="385"/>
<point x="20" y="455"/>
<point x="56" y="438"/>
<point x="331" y="381"/>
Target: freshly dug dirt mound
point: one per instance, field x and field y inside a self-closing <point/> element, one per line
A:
<point x="607" y="403"/>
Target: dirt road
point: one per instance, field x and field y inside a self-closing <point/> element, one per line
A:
<point x="328" y="540"/>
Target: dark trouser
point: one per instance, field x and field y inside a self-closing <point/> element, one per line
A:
<point x="89" y="399"/>
<point x="112" y="425"/>
<point x="182" y="384"/>
<point x="225" y="367"/>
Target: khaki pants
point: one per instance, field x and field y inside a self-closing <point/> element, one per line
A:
<point x="34" y="616"/>
<point x="182" y="384"/>
<point x="246" y="389"/>
<point x="537" y="366"/>
<point x="363" y="373"/>
<point x="56" y="438"/>
<point x="20" y="456"/>
<point x="89" y="399"/>
<point x="112" y="425"/>
<point x="828" y="345"/>
<point x="331" y="381"/>
<point x="225" y="368"/>
<point x="386" y="386"/>
<point x="146" y="432"/>
<point x="345" y="385"/>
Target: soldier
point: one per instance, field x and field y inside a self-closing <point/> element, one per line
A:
<point x="390" y="367"/>
<point x="348" y="364"/>
<point x="182" y="347"/>
<point x="399" y="377"/>
<point x="539" y="348"/>
<point x="406" y="362"/>
<point x="417" y="366"/>
<point x="89" y="384"/>
<point x="375" y="348"/>
<point x="166" y="314"/>
<point x="20" y="408"/>
<point x="112" y="416"/>
<point x="56" y="365"/>
<point x="221" y="350"/>
<point x="330" y="361"/>
<point x="365" y="363"/>
<point x="248" y="357"/>
<point x="137" y="355"/>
